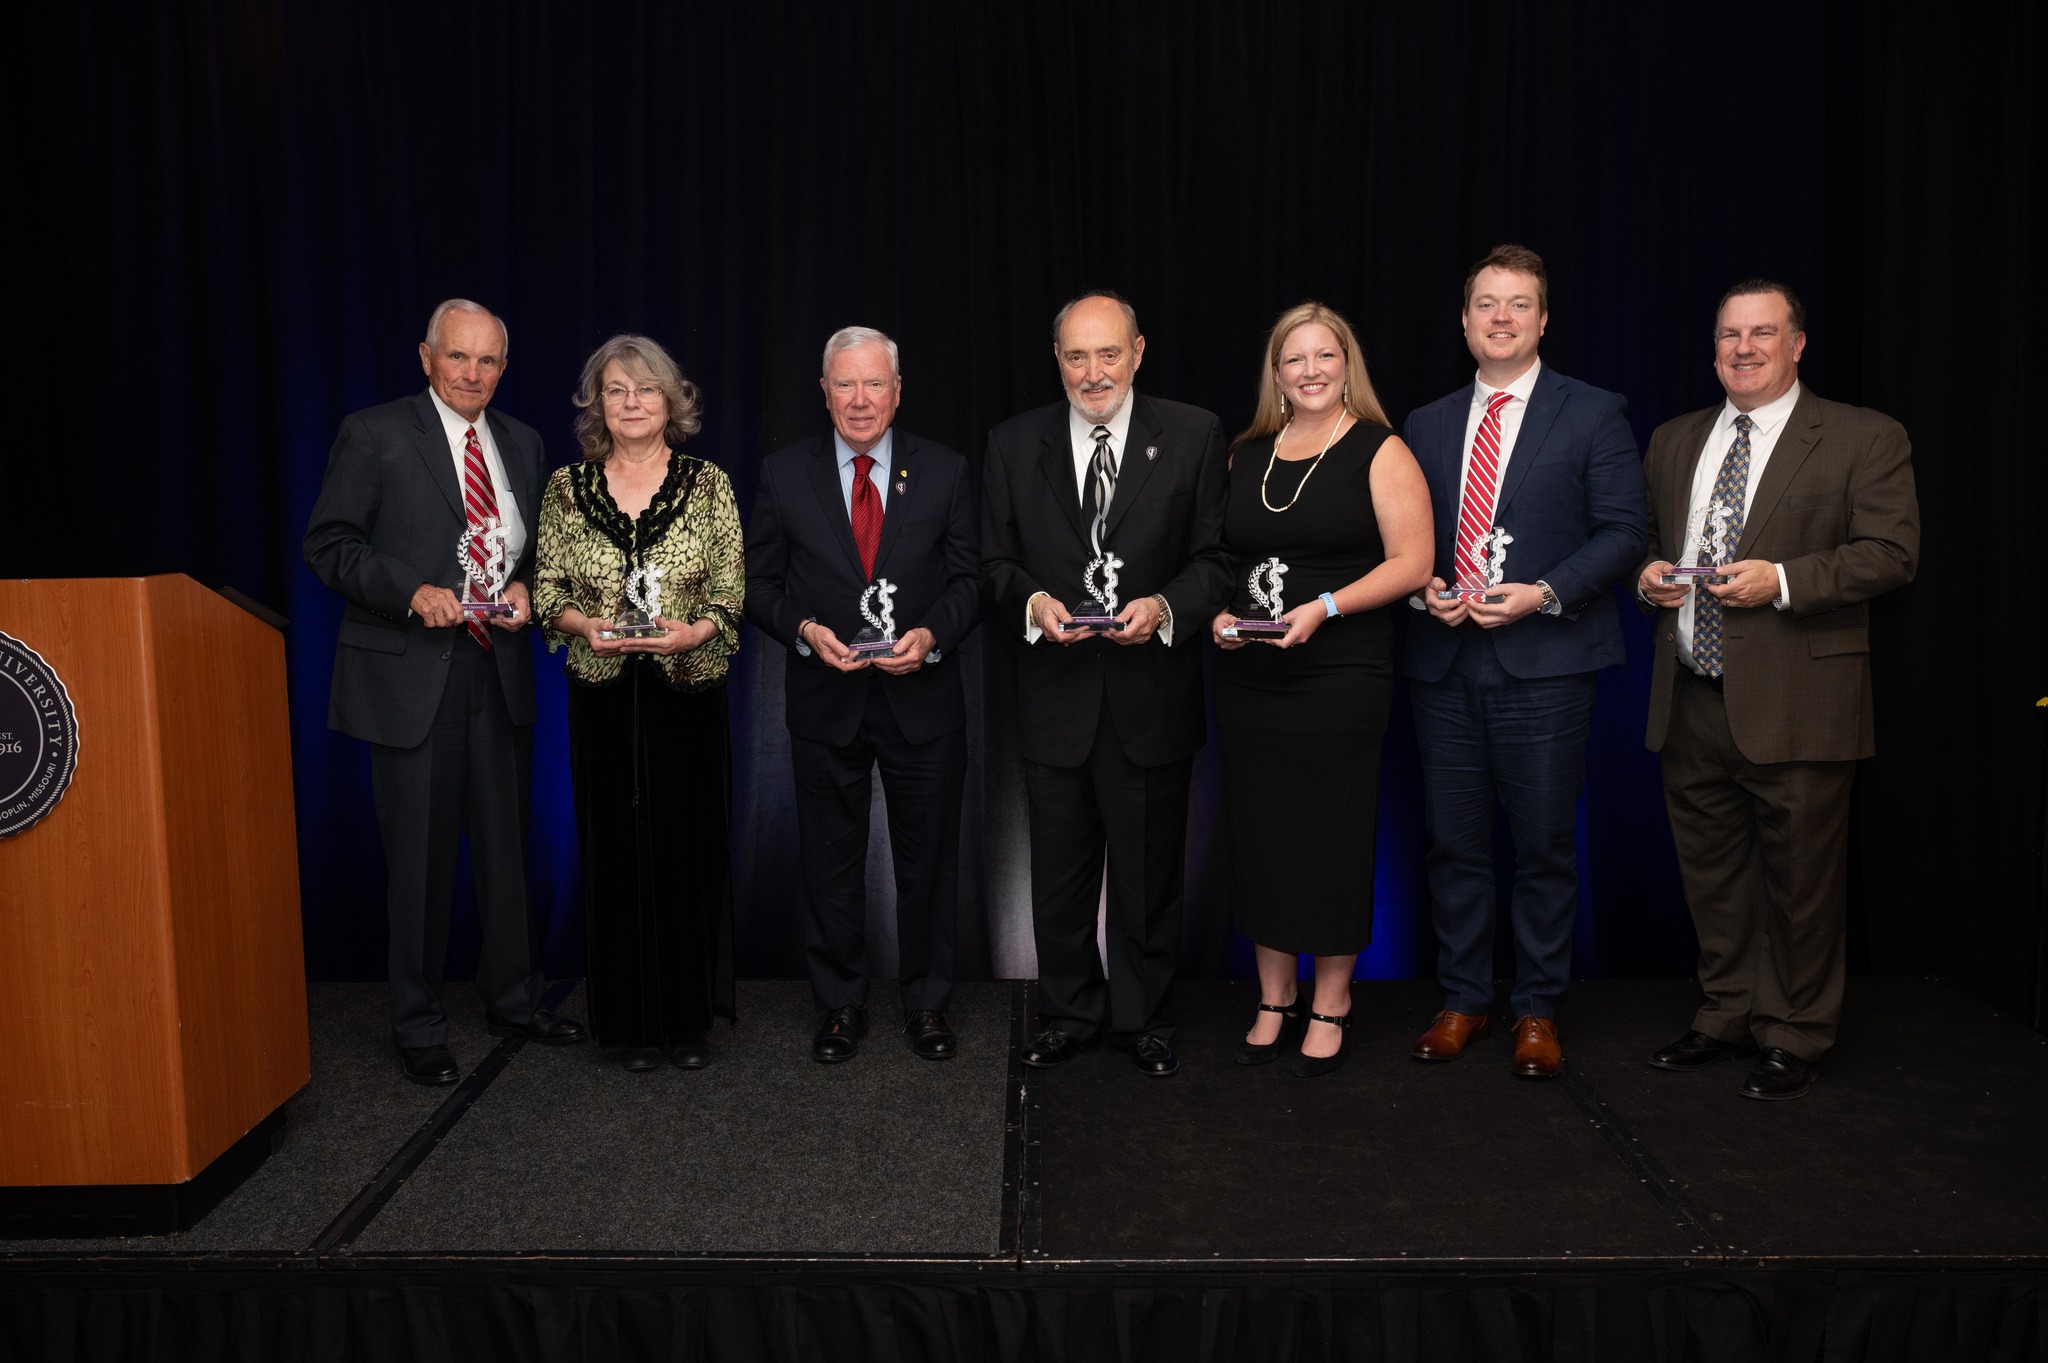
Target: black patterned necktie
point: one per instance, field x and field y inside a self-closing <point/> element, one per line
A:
<point x="1731" y="489"/>
<point x="1102" y="483"/>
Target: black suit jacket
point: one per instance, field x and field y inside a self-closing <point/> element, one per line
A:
<point x="388" y="518"/>
<point x="1165" y="523"/>
<point x="801" y="562"/>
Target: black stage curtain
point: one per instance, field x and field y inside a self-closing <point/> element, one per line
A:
<point x="998" y="1316"/>
<point x="244" y="212"/>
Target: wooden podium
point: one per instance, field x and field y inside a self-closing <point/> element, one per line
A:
<point x="152" y="973"/>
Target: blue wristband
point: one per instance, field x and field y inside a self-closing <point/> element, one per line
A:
<point x="1329" y="606"/>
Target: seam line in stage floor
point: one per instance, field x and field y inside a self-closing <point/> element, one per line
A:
<point x="362" y="1209"/>
<point x="1637" y="1159"/>
<point x="1010" y="1239"/>
<point x="1031" y="1104"/>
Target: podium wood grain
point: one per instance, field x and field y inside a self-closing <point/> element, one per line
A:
<point x="151" y="964"/>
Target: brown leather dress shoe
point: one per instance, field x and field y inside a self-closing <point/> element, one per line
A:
<point x="1450" y="1033"/>
<point x="1538" y="1054"/>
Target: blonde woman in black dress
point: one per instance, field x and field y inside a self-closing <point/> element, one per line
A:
<point x="1318" y="482"/>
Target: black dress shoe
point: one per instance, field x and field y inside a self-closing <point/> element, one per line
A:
<point x="1777" y="1075"/>
<point x="1154" y="1056"/>
<point x="641" y="1059"/>
<point x="428" y="1064"/>
<point x="1697" y="1051"/>
<point x="839" y="1034"/>
<point x="692" y="1053"/>
<point x="929" y="1036"/>
<point x="1293" y="1022"/>
<point x="1052" y="1047"/>
<point x="1316" y="1066"/>
<point x="543" y="1027"/>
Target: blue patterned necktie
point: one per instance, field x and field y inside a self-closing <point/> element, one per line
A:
<point x="1731" y="489"/>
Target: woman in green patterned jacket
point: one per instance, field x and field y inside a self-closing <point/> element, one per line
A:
<point x="641" y="574"/>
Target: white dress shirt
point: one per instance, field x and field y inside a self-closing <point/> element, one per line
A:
<point x="1510" y="424"/>
<point x="1769" y="423"/>
<point x="457" y="428"/>
<point x="1081" y="435"/>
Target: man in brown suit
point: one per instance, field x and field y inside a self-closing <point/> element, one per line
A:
<point x="1760" y="701"/>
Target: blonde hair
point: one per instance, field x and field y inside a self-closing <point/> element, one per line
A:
<point x="646" y="361"/>
<point x="1359" y="398"/>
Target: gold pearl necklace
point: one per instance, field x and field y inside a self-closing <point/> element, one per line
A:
<point x="1274" y="458"/>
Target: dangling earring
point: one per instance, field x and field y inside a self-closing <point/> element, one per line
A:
<point x="1283" y="406"/>
<point x="1346" y="399"/>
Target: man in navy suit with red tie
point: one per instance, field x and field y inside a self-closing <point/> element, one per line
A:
<point x="864" y="527"/>
<point x="1535" y="482"/>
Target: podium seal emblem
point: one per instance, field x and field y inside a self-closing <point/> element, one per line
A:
<point x="38" y="737"/>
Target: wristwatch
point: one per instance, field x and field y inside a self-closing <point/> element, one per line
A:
<point x="1550" y="604"/>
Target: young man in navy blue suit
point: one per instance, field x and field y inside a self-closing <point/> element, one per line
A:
<point x="838" y="517"/>
<point x="1536" y="478"/>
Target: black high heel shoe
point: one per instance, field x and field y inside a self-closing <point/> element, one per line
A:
<point x="1293" y="1022"/>
<point x="1315" y="1066"/>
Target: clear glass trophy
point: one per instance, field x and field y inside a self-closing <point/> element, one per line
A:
<point x="1265" y="587"/>
<point x="877" y="607"/>
<point x="1711" y="535"/>
<point x="643" y="589"/>
<point x="481" y="552"/>
<point x="1098" y="604"/>
<point x="1492" y="551"/>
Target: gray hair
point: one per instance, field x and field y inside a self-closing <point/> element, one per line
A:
<point x="850" y="338"/>
<point x="646" y="361"/>
<point x="1059" y="319"/>
<point x="464" y="305"/>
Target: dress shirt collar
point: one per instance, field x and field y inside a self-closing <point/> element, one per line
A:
<point x="884" y="452"/>
<point x="1520" y="389"/>
<point x="1766" y="418"/>
<point x="1081" y="431"/>
<point x="453" y="422"/>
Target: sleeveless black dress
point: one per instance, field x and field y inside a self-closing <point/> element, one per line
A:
<point x="1301" y="727"/>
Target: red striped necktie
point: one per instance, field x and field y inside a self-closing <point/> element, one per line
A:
<point x="867" y="513"/>
<point x="481" y="502"/>
<point x="1482" y="485"/>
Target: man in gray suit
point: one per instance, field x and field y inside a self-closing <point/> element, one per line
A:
<point x="1760" y="698"/>
<point x="444" y="696"/>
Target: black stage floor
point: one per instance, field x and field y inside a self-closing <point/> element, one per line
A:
<point x="1035" y="1204"/>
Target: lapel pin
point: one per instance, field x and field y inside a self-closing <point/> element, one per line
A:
<point x="903" y="487"/>
<point x="1151" y="453"/>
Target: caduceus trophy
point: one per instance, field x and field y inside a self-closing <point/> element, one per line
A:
<point x="1098" y="602"/>
<point x="481" y="552"/>
<point x="878" y="608"/>
<point x="643" y="589"/>
<point x="1710" y="537"/>
<point x="1492" y="554"/>
<point x="1265" y="587"/>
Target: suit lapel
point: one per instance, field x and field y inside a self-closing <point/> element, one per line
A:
<point x="516" y="473"/>
<point x="903" y="484"/>
<point x="1680" y="502"/>
<point x="1134" y="467"/>
<point x="832" y="501"/>
<point x="1795" y="443"/>
<point x="1056" y="462"/>
<point x="1544" y="405"/>
<point x="430" y="438"/>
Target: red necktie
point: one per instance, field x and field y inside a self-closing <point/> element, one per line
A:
<point x="867" y="513"/>
<point x="1482" y="482"/>
<point x="481" y="500"/>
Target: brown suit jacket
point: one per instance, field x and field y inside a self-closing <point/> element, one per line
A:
<point x="1836" y="507"/>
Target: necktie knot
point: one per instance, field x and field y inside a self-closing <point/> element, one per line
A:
<point x="1498" y="401"/>
<point x="863" y="465"/>
<point x="1743" y="421"/>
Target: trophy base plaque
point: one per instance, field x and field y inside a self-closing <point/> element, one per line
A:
<point x="491" y="609"/>
<point x="632" y="625"/>
<point x="1095" y="624"/>
<point x="869" y="644"/>
<point x="1687" y="577"/>
<point x="1470" y="594"/>
<point x="1255" y="629"/>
